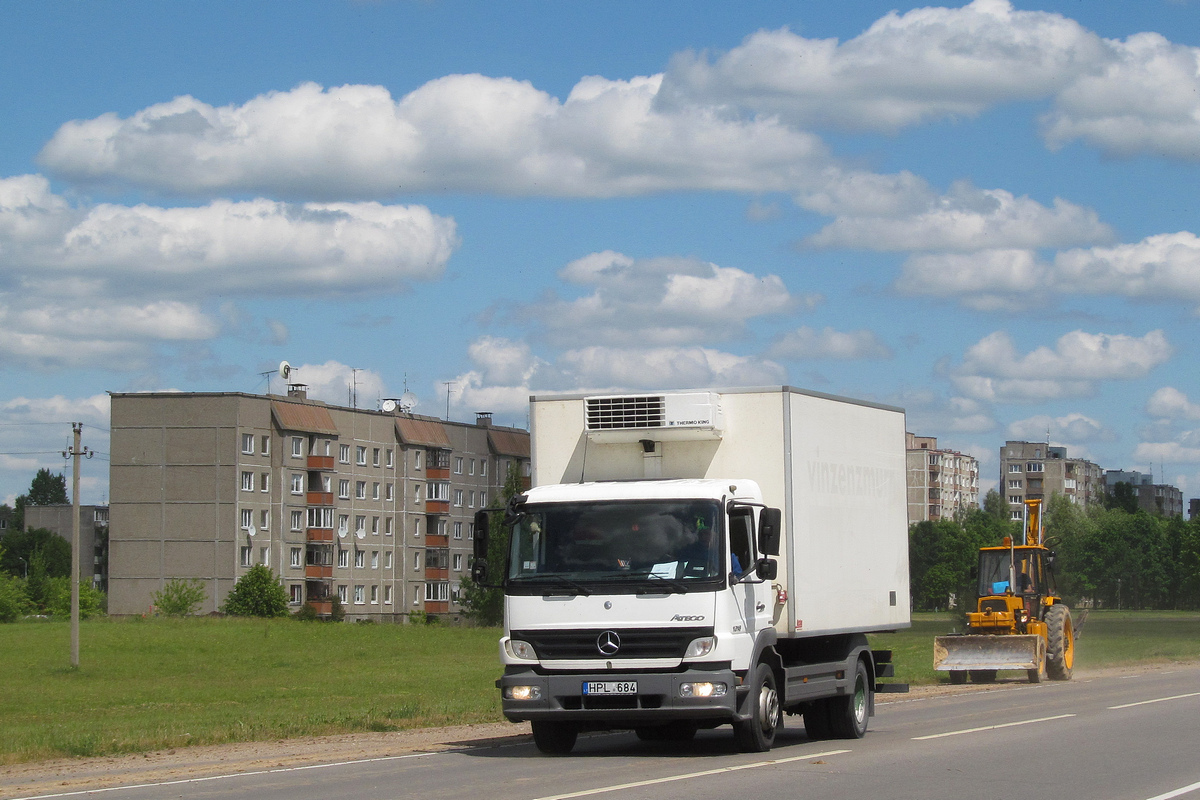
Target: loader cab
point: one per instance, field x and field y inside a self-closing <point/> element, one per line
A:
<point x="1015" y="576"/>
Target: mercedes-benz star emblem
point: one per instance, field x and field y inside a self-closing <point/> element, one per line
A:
<point x="608" y="643"/>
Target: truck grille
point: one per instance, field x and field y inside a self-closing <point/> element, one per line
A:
<point x="634" y="643"/>
<point x="614" y="413"/>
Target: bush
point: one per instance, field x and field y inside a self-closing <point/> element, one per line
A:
<point x="180" y="598"/>
<point x="258" y="593"/>
<point x="92" y="601"/>
<point x="338" y="612"/>
<point x="307" y="613"/>
<point x="13" y="601"/>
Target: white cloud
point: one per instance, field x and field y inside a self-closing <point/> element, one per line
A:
<point x="1073" y="428"/>
<point x="38" y="429"/>
<point x="334" y="382"/>
<point x="989" y="280"/>
<point x="808" y="343"/>
<point x="993" y="370"/>
<point x="1170" y="403"/>
<point x="1166" y="452"/>
<point x="1161" y="267"/>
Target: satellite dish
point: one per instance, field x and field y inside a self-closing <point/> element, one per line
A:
<point x="285" y="370"/>
<point x="341" y="533"/>
<point x="361" y="534"/>
<point x="389" y="406"/>
<point x="408" y="401"/>
<point x="252" y="530"/>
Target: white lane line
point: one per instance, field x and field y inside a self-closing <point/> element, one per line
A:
<point x="690" y="775"/>
<point x="1156" y="700"/>
<point x="182" y="781"/>
<point x="1177" y="792"/>
<point x="991" y="727"/>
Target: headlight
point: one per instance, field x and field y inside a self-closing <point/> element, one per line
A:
<point x="519" y="649"/>
<point x="700" y="647"/>
<point x="522" y="693"/>
<point x="702" y="689"/>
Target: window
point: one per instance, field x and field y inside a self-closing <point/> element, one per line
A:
<point x="294" y="591"/>
<point x="320" y="517"/>
<point x="417" y="526"/>
<point x="390" y="460"/>
<point x="1035" y="466"/>
<point x="297" y="446"/>
<point x="458" y="464"/>
<point x="247" y="519"/>
<point x="359" y="595"/>
<point x="483" y="499"/>
<point x="360" y="526"/>
<point x="417" y="561"/>
<point x="471" y="499"/>
<point x="390" y="492"/>
<point x="343" y="557"/>
<point x="264" y="482"/>
<point x="297" y="520"/>
<point x="374" y="559"/>
<point x="374" y="595"/>
<point x="416" y="459"/>
<point x="470" y="466"/>
<point x="458" y="498"/>
<point x="470" y="530"/>
<point x="344" y="489"/>
<point x="375" y="526"/>
<point x="458" y="562"/>
<point x="387" y="526"/>
<point x="360" y="558"/>
<point x="295" y="557"/>
<point x="387" y="595"/>
<point x="266" y="445"/>
<point x="264" y="556"/>
<point x="264" y="519"/>
<point x="247" y="481"/>
<point x="341" y="593"/>
<point x="360" y="490"/>
<point x="344" y="453"/>
<point x="458" y="530"/>
<point x="437" y="592"/>
<point x="375" y="457"/>
<point x="1016" y="498"/>
<point x="417" y="492"/>
<point x="438" y="490"/>
<point x="246" y="555"/>
<point x="343" y="524"/>
<point x="375" y="490"/>
<point x="387" y="560"/>
<point x="483" y="467"/>
<point x="297" y="483"/>
<point x="248" y="443"/>
<point x="1014" y="467"/>
<point x="1014" y="484"/>
<point x="360" y="455"/>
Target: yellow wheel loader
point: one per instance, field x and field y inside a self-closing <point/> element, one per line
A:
<point x="1019" y="621"/>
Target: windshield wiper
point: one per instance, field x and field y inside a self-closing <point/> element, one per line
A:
<point x="560" y="582"/>
<point x="669" y="583"/>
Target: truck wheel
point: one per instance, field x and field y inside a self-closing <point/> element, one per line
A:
<point x="554" y="738"/>
<point x="848" y="715"/>
<point x="958" y="676"/>
<point x="1060" y="644"/>
<point x="757" y="734"/>
<point x="816" y="720"/>
<point x="983" y="676"/>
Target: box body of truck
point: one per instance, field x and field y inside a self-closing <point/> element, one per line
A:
<point x="612" y="621"/>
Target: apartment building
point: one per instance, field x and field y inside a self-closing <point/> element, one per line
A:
<point x="93" y="536"/>
<point x="374" y="508"/>
<point x="940" y="482"/>
<point x="1153" y="498"/>
<point x="1036" y="470"/>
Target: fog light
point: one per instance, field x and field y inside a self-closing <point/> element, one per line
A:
<point x="522" y="693"/>
<point x="702" y="689"/>
<point x="519" y="649"/>
<point x="700" y="647"/>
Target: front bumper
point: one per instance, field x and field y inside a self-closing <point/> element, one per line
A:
<point x="657" y="698"/>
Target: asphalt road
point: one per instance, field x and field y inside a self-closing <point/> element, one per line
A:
<point x="1134" y="737"/>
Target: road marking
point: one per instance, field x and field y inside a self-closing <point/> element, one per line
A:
<point x="991" y="727"/>
<point x="690" y="775"/>
<point x="1156" y="700"/>
<point x="182" y="781"/>
<point x="1177" y="792"/>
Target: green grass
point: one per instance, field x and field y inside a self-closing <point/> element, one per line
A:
<point x="151" y="684"/>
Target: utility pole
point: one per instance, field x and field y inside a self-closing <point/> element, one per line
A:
<point x="75" y="453"/>
<point x="448" y="384"/>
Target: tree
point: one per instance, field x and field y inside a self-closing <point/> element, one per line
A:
<point x="180" y="598"/>
<point x="13" y="601"/>
<point x="258" y="593"/>
<point x="21" y="546"/>
<point x="1121" y="496"/>
<point x="47" y="489"/>
<point x="485" y="604"/>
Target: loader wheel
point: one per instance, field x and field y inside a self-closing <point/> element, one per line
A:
<point x="958" y="676"/>
<point x="1060" y="644"/>
<point x="554" y="738"/>
<point x="848" y="715"/>
<point x="983" y="676"/>
<point x="757" y="734"/>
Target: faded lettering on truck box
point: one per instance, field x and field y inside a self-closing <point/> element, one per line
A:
<point x="829" y="477"/>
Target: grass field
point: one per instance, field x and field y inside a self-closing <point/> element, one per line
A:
<point x="159" y="683"/>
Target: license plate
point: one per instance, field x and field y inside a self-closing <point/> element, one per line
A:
<point x="610" y="687"/>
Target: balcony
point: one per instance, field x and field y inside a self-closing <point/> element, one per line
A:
<point x="437" y="539"/>
<point x="437" y="506"/>
<point x="437" y="606"/>
<point x="437" y="473"/>
<point x="318" y="571"/>
<point x="320" y="535"/>
<point x="320" y="463"/>
<point x="436" y="574"/>
<point x="319" y="498"/>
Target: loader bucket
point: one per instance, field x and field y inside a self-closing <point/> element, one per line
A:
<point x="975" y="652"/>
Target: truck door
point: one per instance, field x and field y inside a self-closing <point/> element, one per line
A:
<point x="751" y="594"/>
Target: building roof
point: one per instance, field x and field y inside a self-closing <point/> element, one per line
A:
<point x="303" y="417"/>
<point x="509" y="443"/>
<point x="424" y="431"/>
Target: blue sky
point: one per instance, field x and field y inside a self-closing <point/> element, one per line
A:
<point x="984" y="213"/>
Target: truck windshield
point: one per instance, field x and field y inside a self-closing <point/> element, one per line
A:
<point x="669" y="544"/>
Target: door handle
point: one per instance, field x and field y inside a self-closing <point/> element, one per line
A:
<point x="760" y="607"/>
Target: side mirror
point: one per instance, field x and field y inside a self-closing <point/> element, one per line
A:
<point x="770" y="525"/>
<point x="767" y="569"/>
<point x="479" y="570"/>
<point x="482" y="528"/>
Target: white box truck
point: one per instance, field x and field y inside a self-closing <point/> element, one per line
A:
<point x="690" y="559"/>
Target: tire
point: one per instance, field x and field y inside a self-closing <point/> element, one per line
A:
<point x="983" y="675"/>
<point x="1035" y="675"/>
<point x="958" y="676"/>
<point x="848" y="715"/>
<point x="816" y="721"/>
<point x="1060" y="644"/>
<point x="554" y="738"/>
<point x="757" y="734"/>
